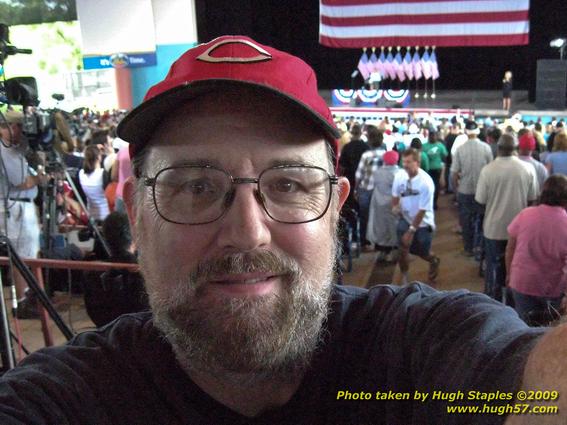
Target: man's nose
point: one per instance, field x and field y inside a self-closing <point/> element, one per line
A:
<point x="244" y="226"/>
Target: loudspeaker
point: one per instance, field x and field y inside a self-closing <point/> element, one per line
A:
<point x="551" y="84"/>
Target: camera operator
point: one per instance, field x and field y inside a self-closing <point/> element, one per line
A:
<point x="18" y="215"/>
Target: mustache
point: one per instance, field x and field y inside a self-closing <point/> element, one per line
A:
<point x="259" y="261"/>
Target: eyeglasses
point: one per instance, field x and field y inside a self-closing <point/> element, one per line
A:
<point x="201" y="194"/>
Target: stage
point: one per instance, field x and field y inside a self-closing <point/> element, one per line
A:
<point x="446" y="104"/>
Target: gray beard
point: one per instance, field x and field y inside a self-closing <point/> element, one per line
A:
<point x="263" y="338"/>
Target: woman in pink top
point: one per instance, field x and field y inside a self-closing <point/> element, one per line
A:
<point x="536" y="254"/>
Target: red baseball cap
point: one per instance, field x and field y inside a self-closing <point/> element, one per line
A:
<point x="391" y="158"/>
<point x="527" y="142"/>
<point x="223" y="62"/>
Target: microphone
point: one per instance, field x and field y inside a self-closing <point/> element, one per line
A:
<point x="12" y="50"/>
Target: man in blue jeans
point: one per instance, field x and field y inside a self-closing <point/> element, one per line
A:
<point x="412" y="193"/>
<point x="505" y="186"/>
<point x="468" y="161"/>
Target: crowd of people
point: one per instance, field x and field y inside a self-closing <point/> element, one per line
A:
<point x="98" y="163"/>
<point x="235" y="203"/>
<point x="499" y="174"/>
<point x="396" y="171"/>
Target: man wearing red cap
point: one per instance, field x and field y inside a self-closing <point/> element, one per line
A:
<point x="234" y="204"/>
<point x="526" y="146"/>
<point x="382" y="222"/>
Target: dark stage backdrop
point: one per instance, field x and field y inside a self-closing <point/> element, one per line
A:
<point x="293" y="26"/>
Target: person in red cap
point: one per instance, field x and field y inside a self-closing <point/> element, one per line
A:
<point x="382" y="222"/>
<point x="526" y="147"/>
<point x="234" y="204"/>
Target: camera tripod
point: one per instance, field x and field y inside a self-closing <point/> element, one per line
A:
<point x="7" y="352"/>
<point x="49" y="224"/>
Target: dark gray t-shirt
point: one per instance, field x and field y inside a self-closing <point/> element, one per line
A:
<point x="388" y="338"/>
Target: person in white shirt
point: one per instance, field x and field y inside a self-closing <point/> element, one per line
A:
<point x="18" y="216"/>
<point x="412" y="197"/>
<point x="459" y="141"/>
<point x="93" y="181"/>
<point x="467" y="164"/>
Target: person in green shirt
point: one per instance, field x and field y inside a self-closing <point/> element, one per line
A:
<point x="424" y="162"/>
<point x="399" y="147"/>
<point x="436" y="153"/>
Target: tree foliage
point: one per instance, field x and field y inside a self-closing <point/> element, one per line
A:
<point x="23" y="12"/>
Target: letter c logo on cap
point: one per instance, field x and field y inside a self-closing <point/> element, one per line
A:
<point x="262" y="54"/>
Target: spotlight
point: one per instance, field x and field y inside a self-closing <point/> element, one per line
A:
<point x="559" y="43"/>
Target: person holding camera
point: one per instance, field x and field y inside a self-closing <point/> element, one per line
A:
<point x="18" y="217"/>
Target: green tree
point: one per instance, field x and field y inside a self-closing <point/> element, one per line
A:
<point x="23" y="12"/>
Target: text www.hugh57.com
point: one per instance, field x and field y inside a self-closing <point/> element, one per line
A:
<point x="514" y="409"/>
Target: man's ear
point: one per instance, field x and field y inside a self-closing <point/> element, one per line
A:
<point x="129" y="197"/>
<point x="344" y="189"/>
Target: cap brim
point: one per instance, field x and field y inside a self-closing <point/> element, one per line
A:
<point x="138" y="125"/>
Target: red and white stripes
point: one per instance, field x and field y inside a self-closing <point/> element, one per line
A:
<point x="362" y="23"/>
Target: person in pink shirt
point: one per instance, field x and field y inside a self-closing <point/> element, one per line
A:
<point x="536" y="254"/>
<point x="121" y="170"/>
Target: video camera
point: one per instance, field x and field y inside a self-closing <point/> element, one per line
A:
<point x="38" y="125"/>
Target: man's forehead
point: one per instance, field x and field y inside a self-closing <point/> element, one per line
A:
<point x="235" y="157"/>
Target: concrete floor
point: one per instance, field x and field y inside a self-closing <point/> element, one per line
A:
<point x="456" y="271"/>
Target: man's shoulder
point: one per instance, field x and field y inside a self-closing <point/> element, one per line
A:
<point x="479" y="145"/>
<point x="366" y="303"/>
<point x="523" y="166"/>
<point x="362" y="301"/>
<point x="425" y="178"/>
<point x="408" y="311"/>
<point x="128" y="335"/>
<point x="357" y="144"/>
<point x="346" y="149"/>
<point x="92" y="373"/>
<point x="372" y="153"/>
<point x="353" y="146"/>
<point x="540" y="168"/>
<point x="491" y="167"/>
<point x="536" y="163"/>
<point x="400" y="175"/>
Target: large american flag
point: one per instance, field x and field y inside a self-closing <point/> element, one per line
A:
<point x="365" y="23"/>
